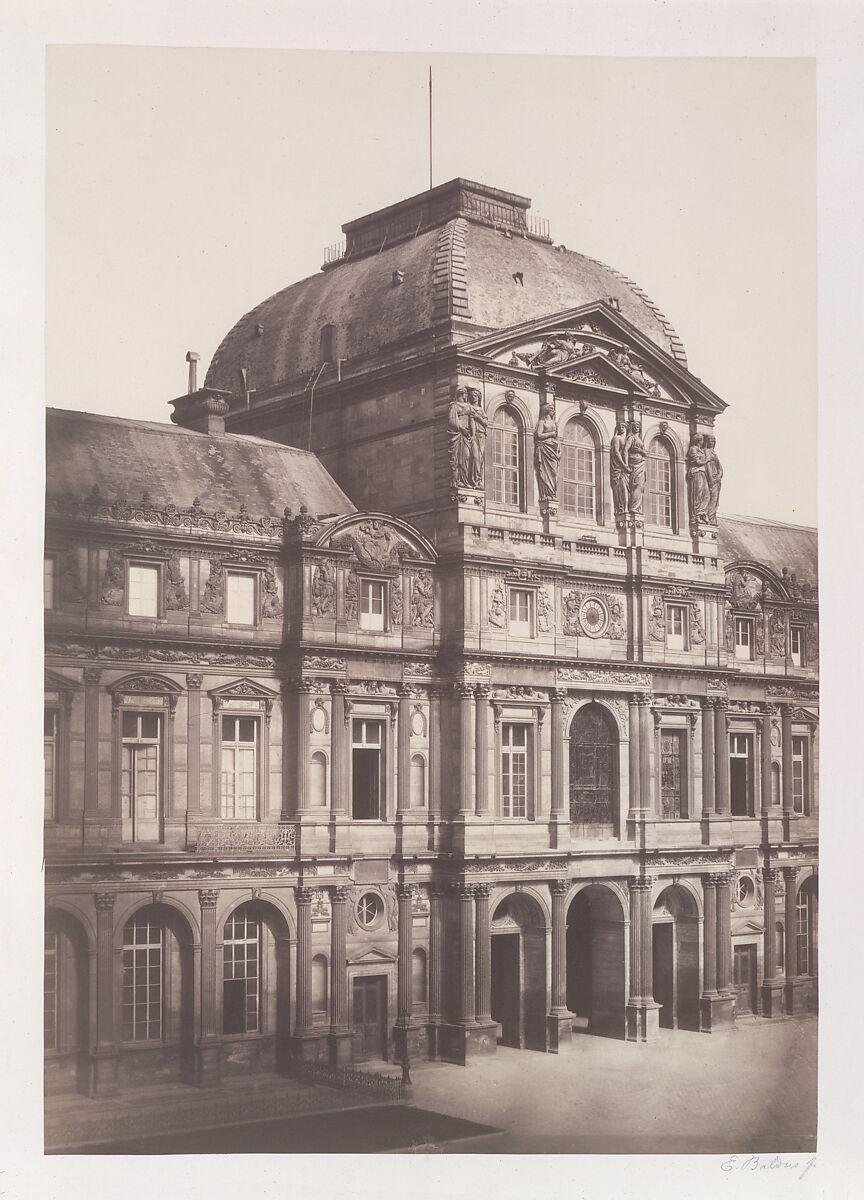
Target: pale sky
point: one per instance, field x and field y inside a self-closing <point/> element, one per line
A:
<point x="185" y="185"/>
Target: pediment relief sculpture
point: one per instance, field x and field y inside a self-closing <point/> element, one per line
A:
<point x="374" y="543"/>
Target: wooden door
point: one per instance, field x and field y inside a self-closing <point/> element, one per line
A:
<point x="664" y="972"/>
<point x="744" y="966"/>
<point x="370" y="1016"/>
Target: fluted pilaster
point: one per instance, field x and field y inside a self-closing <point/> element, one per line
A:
<point x="708" y="800"/>
<point x="481" y="751"/>
<point x="403" y="761"/>
<point x="465" y="901"/>
<point x="404" y="897"/>
<point x="721" y="758"/>
<point x="724" y="933"/>
<point x="483" y="953"/>
<point x="641" y="951"/>
<point x="769" y="946"/>
<point x="709" y="935"/>
<point x="559" y="889"/>
<point x="304" y="959"/>
<point x="465" y="699"/>
<point x="557" y="730"/>
<point x="338" y="748"/>
<point x="338" y="959"/>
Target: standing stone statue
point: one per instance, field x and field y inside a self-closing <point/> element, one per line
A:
<point x="459" y="428"/>
<point x="635" y="455"/>
<point x="619" y="472"/>
<point x="547" y="452"/>
<point x="714" y="472"/>
<point x="479" y="424"/>
<point x="697" y="480"/>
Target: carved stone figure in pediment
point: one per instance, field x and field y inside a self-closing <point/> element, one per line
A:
<point x="746" y="589"/>
<point x="714" y="473"/>
<point x="323" y="590"/>
<point x="374" y="543"/>
<point x="635" y="455"/>
<point x="547" y="452"/>
<point x="698" y="495"/>
<point x="619" y="472"/>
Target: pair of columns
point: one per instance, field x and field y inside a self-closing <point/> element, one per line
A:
<point x="715" y="759"/>
<point x="305" y="1042"/>
<point x="472" y="703"/>
<point x="779" y="993"/>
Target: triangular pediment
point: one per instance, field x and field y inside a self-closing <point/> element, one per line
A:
<point x="750" y="927"/>
<point x="593" y="345"/>
<point x="243" y="689"/>
<point x="374" y="956"/>
<point x="59" y="683"/>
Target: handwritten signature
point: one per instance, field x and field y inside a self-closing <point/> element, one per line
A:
<point x="762" y="1162"/>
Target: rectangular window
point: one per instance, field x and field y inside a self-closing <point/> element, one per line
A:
<point x="140" y="790"/>
<point x="796" y="645"/>
<point x="799" y="775"/>
<point x="241" y="974"/>
<point x="676" y="627"/>
<point x="50" y="763"/>
<point x="143" y="591"/>
<point x="51" y="991"/>
<point x="741" y="774"/>
<point x="239" y="598"/>
<point x="49" y="582"/>
<point x="659" y="487"/>
<point x="373" y="603"/>
<point x="239" y="799"/>
<point x="515" y="747"/>
<point x="505" y="462"/>
<point x="366" y="770"/>
<point x="673" y="774"/>
<point x="744" y="638"/>
<point x="521" y="612"/>
<point x="141" y="992"/>
<point x="577" y="474"/>
<point x="804" y="931"/>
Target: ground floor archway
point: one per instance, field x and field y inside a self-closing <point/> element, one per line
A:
<point x="66" y="1004"/>
<point x="519" y="972"/>
<point x="596" y="945"/>
<point x="675" y="958"/>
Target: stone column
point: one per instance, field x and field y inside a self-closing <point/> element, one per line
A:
<point x="559" y="1021"/>
<point x="709" y="935"/>
<point x="483" y="952"/>
<point x="481" y="751"/>
<point x="464" y="693"/>
<point x="772" y="987"/>
<point x="766" y="761"/>
<point x="635" y="802"/>
<point x="436" y="966"/>
<point x="721" y="758"/>
<point x="304" y="1042"/>
<point x="91" y="744"/>
<point x="105" y="1057"/>
<point x="643" y="1019"/>
<point x="465" y="898"/>
<point x="403" y="759"/>
<point x="404" y="897"/>
<point x="716" y="1006"/>
<point x="646" y="736"/>
<point x="208" y="1048"/>
<point x="289" y="800"/>
<point x="434" y="751"/>
<point x="557" y="731"/>
<point x="302" y="747"/>
<point x="709" y="807"/>
<point x="790" y="879"/>
<point x="340" y="1032"/>
<point x="193" y="746"/>
<point x="724" y="934"/>
<point x="338" y="749"/>
<point x="786" y="732"/>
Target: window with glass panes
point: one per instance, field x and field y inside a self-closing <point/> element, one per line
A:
<point x="143" y="590"/>
<point x="51" y="990"/>
<point x="673" y="774"/>
<point x="521" y="611"/>
<point x="239" y="598"/>
<point x="805" y="913"/>
<point x="139" y="773"/>
<point x="744" y="637"/>
<point x="676" y="627"/>
<point x="659" y="480"/>
<point x="49" y="570"/>
<point x="366" y="769"/>
<point x="506" y="464"/>
<point x="50" y="752"/>
<point x="799" y="774"/>
<point x="515" y="745"/>
<point x="373" y="595"/>
<point x="577" y="471"/>
<point x="241" y="986"/>
<point x="796" y="645"/>
<point x="239" y="768"/>
<point x="141" y="985"/>
<point x="741" y="774"/>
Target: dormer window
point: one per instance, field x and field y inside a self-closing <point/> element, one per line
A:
<point x="521" y="612"/>
<point x="744" y="638"/>
<point x="143" y="590"/>
<point x="796" y="645"/>
<point x="239" y="598"/>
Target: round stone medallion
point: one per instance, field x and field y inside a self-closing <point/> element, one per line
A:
<point x="593" y="616"/>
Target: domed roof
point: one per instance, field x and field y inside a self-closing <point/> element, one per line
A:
<point x="457" y="261"/>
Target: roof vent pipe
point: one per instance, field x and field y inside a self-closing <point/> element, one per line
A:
<point x="192" y="359"/>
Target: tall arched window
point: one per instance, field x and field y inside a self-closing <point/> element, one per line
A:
<point x="318" y="780"/>
<point x="659" y="509"/>
<point x="507" y="459"/>
<point x="805" y="929"/>
<point x="578" y="471"/>
<point x="418" y="781"/>
<point x="241" y="988"/>
<point x="143" y="968"/>
<point x="593" y="771"/>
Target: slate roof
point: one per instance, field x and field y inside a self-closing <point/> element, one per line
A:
<point x="772" y="543"/>
<point x="457" y="277"/>
<point x="125" y="458"/>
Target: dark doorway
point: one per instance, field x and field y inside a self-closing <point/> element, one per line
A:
<point x="664" y="973"/>
<point x="744" y="965"/>
<point x="370" y="1017"/>
<point x="366" y="803"/>
<point x="579" y="965"/>
<point x="505" y="987"/>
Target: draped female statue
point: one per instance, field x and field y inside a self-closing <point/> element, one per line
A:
<point x="635" y="455"/>
<point x="619" y="471"/>
<point x="698" y="494"/>
<point x="547" y="452"/>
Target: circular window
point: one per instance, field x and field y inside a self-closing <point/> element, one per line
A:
<point x="370" y="909"/>
<point x="745" y="891"/>
<point x="593" y="616"/>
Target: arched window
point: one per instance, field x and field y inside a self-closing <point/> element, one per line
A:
<point x="578" y="471"/>
<point x="418" y="979"/>
<point x="806" y="929"/>
<point x="507" y="459"/>
<point x="593" y="770"/>
<point x="319" y="988"/>
<point x="241" y="987"/>
<point x="780" y="946"/>
<point x="143" y="971"/>
<point x="418" y="781"/>
<point x="318" y="780"/>
<point x="659" y="509"/>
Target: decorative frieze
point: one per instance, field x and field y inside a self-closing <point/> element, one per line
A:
<point x="227" y="835"/>
<point x="170" y="516"/>
<point x="600" y="675"/>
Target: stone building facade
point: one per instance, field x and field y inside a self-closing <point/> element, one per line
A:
<point x="408" y="694"/>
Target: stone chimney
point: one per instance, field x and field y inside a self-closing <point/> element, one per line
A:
<point x="204" y="410"/>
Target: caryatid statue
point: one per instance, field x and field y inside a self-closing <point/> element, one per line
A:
<point x="547" y="452"/>
<point x="479" y="425"/>
<point x="635" y="455"/>
<point x="714" y="473"/>
<point x="459" y="429"/>
<point x="619" y="472"/>
<point x="698" y="494"/>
